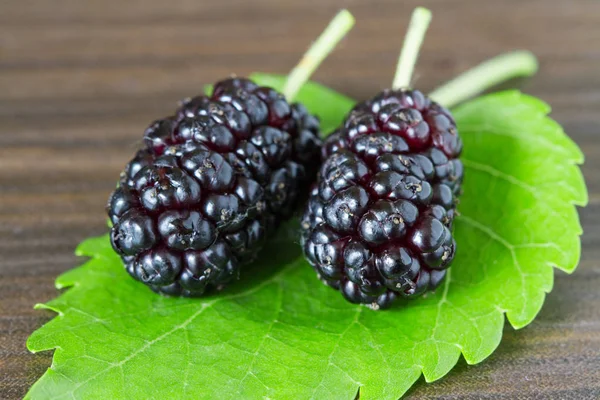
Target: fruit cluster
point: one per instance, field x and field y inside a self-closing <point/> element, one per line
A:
<point x="211" y="183"/>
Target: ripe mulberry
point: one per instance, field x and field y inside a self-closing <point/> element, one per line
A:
<point x="209" y="186"/>
<point x="379" y="218"/>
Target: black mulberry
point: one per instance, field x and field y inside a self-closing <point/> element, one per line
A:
<point x="209" y="186"/>
<point x="379" y="218"/>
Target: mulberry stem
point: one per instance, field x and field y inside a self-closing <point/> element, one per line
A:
<point x="484" y="76"/>
<point x="339" y="26"/>
<point x="419" y="22"/>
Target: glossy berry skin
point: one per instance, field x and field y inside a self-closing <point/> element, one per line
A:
<point x="209" y="186"/>
<point x="378" y="224"/>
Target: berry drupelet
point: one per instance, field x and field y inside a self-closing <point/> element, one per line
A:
<point x="379" y="218"/>
<point x="209" y="186"/>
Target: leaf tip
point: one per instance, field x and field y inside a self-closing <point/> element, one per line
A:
<point x="63" y="281"/>
<point x="519" y="319"/>
<point x="47" y="306"/>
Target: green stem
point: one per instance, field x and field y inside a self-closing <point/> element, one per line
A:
<point x="419" y="22"/>
<point x="484" y="76"/>
<point x="335" y="31"/>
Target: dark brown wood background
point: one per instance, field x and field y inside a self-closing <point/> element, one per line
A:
<point x="80" y="80"/>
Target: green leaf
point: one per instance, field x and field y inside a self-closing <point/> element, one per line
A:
<point x="280" y="334"/>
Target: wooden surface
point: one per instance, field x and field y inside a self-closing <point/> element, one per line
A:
<point x="80" y="80"/>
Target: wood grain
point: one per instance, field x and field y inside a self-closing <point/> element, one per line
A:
<point x="80" y="80"/>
